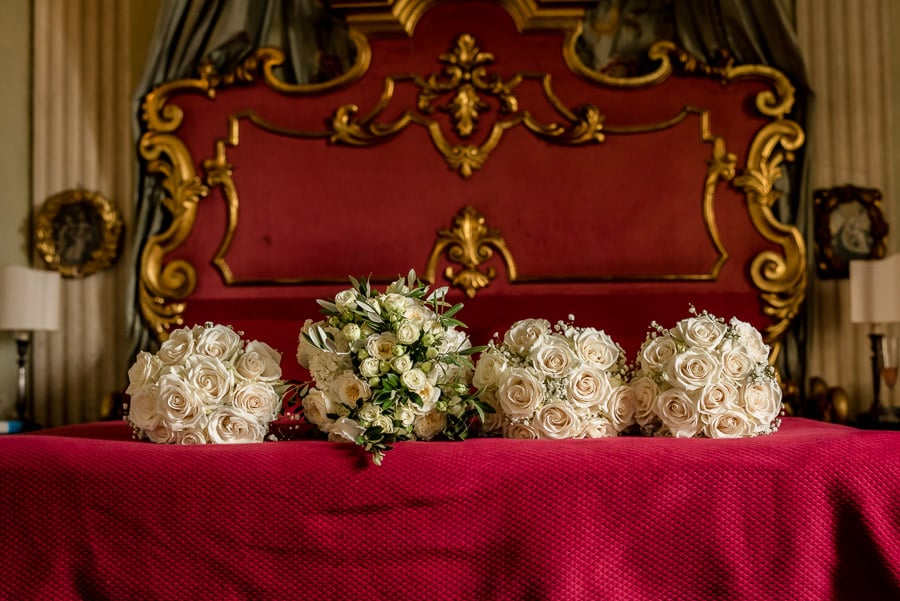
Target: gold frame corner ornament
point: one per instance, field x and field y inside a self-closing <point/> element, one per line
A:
<point x="78" y="233"/>
<point x="469" y="244"/>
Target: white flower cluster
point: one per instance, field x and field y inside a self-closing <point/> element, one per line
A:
<point x="387" y="366"/>
<point x="554" y="382"/>
<point x="706" y="378"/>
<point x="205" y="385"/>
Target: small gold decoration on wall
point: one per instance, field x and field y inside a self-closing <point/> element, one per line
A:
<point x="469" y="243"/>
<point x="77" y="233"/>
<point x="849" y="225"/>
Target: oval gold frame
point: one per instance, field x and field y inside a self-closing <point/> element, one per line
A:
<point x="77" y="233"/>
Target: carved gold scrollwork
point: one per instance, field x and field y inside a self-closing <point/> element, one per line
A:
<point x="465" y="79"/>
<point x="469" y="243"/>
<point x="781" y="278"/>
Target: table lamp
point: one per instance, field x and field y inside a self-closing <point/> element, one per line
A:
<point x="29" y="301"/>
<point x="875" y="300"/>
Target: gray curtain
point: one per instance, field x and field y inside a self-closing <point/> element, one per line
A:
<point x="224" y="32"/>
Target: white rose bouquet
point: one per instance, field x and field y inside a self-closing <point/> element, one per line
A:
<point x="706" y="378"/>
<point x="205" y="385"/>
<point x="555" y="382"/>
<point x="388" y="366"/>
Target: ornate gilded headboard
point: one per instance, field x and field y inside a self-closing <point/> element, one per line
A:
<point x="470" y="143"/>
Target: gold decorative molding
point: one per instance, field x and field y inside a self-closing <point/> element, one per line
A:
<point x="781" y="278"/>
<point x="400" y="17"/>
<point x="463" y="78"/>
<point x="469" y="243"/>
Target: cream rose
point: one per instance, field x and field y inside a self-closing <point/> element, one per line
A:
<point x="259" y="399"/>
<point x="730" y="424"/>
<point x="233" y="425"/>
<point x="718" y="397"/>
<point x="519" y="393"/>
<point x="218" y="341"/>
<point x="596" y="348"/>
<point x="762" y="400"/>
<point x="370" y="367"/>
<point x="490" y="366"/>
<point x="622" y="407"/>
<point x="401" y="364"/>
<point x="346" y="299"/>
<point x="554" y="358"/>
<point x="598" y="428"/>
<point x="520" y="431"/>
<point x="429" y="425"/>
<point x="656" y="353"/>
<point x="678" y="413"/>
<point x="493" y="421"/>
<point x="348" y="389"/>
<point x="259" y="361"/>
<point x="702" y="332"/>
<point x="752" y="340"/>
<point x="645" y="393"/>
<point x="368" y="413"/>
<point x="526" y="334"/>
<point x="143" y="373"/>
<point x="343" y="429"/>
<point x="381" y="346"/>
<point x="693" y="369"/>
<point x="556" y="420"/>
<point x="191" y="437"/>
<point x="177" y="346"/>
<point x="414" y="379"/>
<point x="394" y="303"/>
<point x="178" y="404"/>
<point x="142" y="409"/>
<point x="588" y="387"/>
<point x="210" y="378"/>
<point x="316" y="407"/>
<point x="736" y="363"/>
<point x="407" y="332"/>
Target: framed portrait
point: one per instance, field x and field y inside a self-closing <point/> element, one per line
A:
<point x="78" y="233"/>
<point x="849" y="225"/>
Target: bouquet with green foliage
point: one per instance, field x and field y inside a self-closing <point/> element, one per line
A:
<point x="388" y="366"/>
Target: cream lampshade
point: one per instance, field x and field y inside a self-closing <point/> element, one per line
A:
<point x="29" y="301"/>
<point x="875" y="299"/>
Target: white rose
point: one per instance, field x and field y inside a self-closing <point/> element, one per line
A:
<point x="351" y="332"/>
<point x="394" y="303"/>
<point x="370" y="367"/>
<point x="656" y="353"/>
<point x="524" y="335"/>
<point x="142" y="409"/>
<point x="406" y="415"/>
<point x="554" y="358"/>
<point x="161" y="434"/>
<point x="622" y="407"/>
<point x="491" y="364"/>
<point x="718" y="397"/>
<point x="402" y="364"/>
<point x="143" y="373"/>
<point x="752" y="340"/>
<point x="703" y="331"/>
<point x="557" y="420"/>
<point x="348" y="389"/>
<point x="678" y="412"/>
<point x="596" y="348"/>
<point x="212" y="380"/>
<point x="736" y="363"/>
<point x="598" y="428"/>
<point x="304" y="348"/>
<point x="179" y="345"/>
<point x="259" y="361"/>
<point x="407" y="332"/>
<point x="730" y="424"/>
<point x="259" y="399"/>
<point x="368" y="413"/>
<point x="179" y="404"/>
<point x="316" y="407"/>
<point x="346" y="299"/>
<point x="493" y="421"/>
<point x="693" y="369"/>
<point x="218" y="341"/>
<point x="429" y="425"/>
<point x="762" y="400"/>
<point x="343" y="429"/>
<point x="588" y="387"/>
<point x="191" y="437"/>
<point x="429" y="395"/>
<point x="420" y="315"/>
<point x="519" y="393"/>
<point x="454" y="341"/>
<point x="520" y="431"/>
<point x="230" y="425"/>
<point x="381" y="346"/>
<point x="645" y="393"/>
<point x="414" y="379"/>
<point x="385" y="423"/>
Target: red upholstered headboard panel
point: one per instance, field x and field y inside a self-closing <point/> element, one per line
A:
<point x="481" y="153"/>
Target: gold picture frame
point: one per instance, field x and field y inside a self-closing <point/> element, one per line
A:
<point x="849" y="225"/>
<point x="77" y="233"/>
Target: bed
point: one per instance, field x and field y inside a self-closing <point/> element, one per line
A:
<point x="467" y="142"/>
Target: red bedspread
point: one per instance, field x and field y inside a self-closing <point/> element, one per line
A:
<point x="812" y="512"/>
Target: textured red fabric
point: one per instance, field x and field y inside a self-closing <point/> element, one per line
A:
<point x="811" y="512"/>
